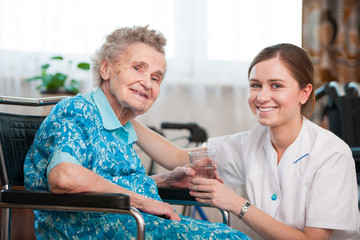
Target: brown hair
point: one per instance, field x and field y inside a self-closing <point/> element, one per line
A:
<point x="299" y="64"/>
<point x="119" y="40"/>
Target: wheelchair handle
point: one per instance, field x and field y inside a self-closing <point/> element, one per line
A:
<point x="168" y="125"/>
<point x="197" y="133"/>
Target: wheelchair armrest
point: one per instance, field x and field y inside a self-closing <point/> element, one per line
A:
<point x="178" y="196"/>
<point x="181" y="196"/>
<point x="88" y="200"/>
<point x="80" y="202"/>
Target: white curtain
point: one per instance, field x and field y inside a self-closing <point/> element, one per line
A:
<point x="210" y="42"/>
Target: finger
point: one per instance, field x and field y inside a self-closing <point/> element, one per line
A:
<point x="174" y="216"/>
<point x="204" y="201"/>
<point x="190" y="172"/>
<point x="215" y="166"/>
<point x="217" y="177"/>
<point x="201" y="188"/>
<point x="201" y="195"/>
<point x="202" y="181"/>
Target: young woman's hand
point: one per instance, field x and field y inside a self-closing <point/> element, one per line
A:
<point x="213" y="192"/>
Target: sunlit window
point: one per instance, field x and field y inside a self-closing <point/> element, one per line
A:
<point x="77" y="26"/>
<point x="239" y="29"/>
<point x="209" y="41"/>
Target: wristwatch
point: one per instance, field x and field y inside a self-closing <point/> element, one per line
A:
<point x="244" y="209"/>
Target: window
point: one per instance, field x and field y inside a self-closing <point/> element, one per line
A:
<point x="209" y="41"/>
<point x="238" y="30"/>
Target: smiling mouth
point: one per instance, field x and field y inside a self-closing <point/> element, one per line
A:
<point x="266" y="109"/>
<point x="140" y="93"/>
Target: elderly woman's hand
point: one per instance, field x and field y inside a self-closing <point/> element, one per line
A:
<point x="180" y="177"/>
<point x="160" y="209"/>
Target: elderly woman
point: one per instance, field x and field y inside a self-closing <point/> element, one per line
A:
<point x="86" y="145"/>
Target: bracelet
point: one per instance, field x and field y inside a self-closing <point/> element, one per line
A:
<point x="244" y="209"/>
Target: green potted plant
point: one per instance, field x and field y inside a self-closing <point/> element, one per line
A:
<point x="58" y="82"/>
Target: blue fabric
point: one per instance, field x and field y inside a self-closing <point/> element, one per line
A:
<point x="126" y="133"/>
<point x="59" y="158"/>
<point x="75" y="127"/>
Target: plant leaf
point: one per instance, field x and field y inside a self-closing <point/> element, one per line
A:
<point x="57" y="58"/>
<point x="55" y="81"/>
<point x="84" y="66"/>
<point x="45" y="66"/>
<point x="73" y="86"/>
<point x="34" y="78"/>
<point x="72" y="89"/>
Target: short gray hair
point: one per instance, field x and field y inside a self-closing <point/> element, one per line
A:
<point x="118" y="40"/>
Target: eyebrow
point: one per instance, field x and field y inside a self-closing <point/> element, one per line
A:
<point x="271" y="80"/>
<point x="145" y="65"/>
<point x="142" y="63"/>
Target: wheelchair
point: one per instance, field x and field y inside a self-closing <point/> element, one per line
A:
<point x="17" y="132"/>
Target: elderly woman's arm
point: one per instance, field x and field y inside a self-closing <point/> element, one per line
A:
<point x="159" y="148"/>
<point x="67" y="177"/>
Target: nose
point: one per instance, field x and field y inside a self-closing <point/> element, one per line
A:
<point x="146" y="80"/>
<point x="263" y="95"/>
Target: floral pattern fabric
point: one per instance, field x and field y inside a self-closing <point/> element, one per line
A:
<point x="74" y="126"/>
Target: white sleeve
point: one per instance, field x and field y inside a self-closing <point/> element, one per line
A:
<point x="333" y="196"/>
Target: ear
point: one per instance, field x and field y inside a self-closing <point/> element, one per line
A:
<point x="105" y="70"/>
<point x="305" y="93"/>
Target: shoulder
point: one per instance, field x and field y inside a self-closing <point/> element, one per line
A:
<point x="321" y="137"/>
<point x="76" y="104"/>
<point x="76" y="107"/>
<point x="324" y="144"/>
<point x="73" y="111"/>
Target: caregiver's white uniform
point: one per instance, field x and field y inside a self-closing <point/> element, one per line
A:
<point x="314" y="184"/>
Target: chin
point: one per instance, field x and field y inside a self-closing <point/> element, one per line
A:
<point x="139" y="111"/>
<point x="266" y="122"/>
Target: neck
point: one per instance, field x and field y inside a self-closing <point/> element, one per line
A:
<point x="123" y="114"/>
<point x="283" y="136"/>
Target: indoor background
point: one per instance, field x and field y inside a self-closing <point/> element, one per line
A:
<point x="210" y="46"/>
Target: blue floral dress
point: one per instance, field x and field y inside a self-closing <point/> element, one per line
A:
<point x="75" y="127"/>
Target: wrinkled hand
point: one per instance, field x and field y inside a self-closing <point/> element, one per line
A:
<point x="180" y="177"/>
<point x="212" y="192"/>
<point x="160" y="209"/>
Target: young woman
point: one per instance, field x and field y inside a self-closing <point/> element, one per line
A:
<point x="300" y="179"/>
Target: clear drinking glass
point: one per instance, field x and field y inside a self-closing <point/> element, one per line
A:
<point x="203" y="163"/>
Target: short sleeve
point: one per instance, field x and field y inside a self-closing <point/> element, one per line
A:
<point x="69" y="130"/>
<point x="59" y="158"/>
<point x="332" y="199"/>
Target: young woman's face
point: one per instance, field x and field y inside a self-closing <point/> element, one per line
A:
<point x="274" y="95"/>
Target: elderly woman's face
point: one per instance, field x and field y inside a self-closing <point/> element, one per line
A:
<point x="134" y="80"/>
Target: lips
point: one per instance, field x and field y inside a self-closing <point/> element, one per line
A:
<point x="266" y="109"/>
<point x="140" y="93"/>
